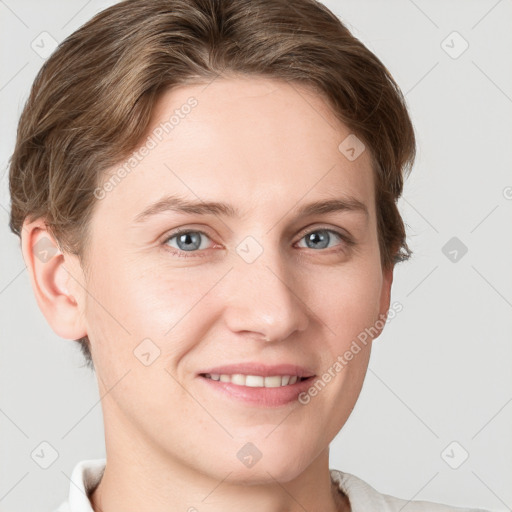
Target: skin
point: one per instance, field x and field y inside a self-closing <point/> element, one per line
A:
<point x="267" y="148"/>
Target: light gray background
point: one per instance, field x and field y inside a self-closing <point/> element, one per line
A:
<point x="441" y="370"/>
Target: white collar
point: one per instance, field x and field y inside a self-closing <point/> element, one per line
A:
<point x="84" y="478"/>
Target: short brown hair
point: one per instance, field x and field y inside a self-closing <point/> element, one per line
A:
<point x="91" y="102"/>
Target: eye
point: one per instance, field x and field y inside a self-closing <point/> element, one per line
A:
<point x="186" y="241"/>
<point x="321" y="237"/>
<point x="190" y="241"/>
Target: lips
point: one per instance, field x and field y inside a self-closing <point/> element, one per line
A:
<point x="252" y="368"/>
<point x="256" y="384"/>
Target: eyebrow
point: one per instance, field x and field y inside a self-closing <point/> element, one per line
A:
<point x="179" y="204"/>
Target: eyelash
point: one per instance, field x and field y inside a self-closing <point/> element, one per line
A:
<point x="194" y="254"/>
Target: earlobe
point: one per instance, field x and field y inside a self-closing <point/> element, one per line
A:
<point x="52" y="281"/>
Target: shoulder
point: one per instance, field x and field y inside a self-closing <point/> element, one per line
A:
<point x="364" y="498"/>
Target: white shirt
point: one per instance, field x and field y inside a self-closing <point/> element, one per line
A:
<point x="362" y="497"/>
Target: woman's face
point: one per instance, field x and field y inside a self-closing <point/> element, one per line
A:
<point x="258" y="281"/>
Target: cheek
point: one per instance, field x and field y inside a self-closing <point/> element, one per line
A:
<point x="133" y="301"/>
<point x="350" y="309"/>
<point x="349" y="300"/>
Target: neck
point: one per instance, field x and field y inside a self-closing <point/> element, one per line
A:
<point x="143" y="480"/>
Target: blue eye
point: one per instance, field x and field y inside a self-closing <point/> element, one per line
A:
<point x="320" y="238"/>
<point x="187" y="241"/>
<point x="191" y="241"/>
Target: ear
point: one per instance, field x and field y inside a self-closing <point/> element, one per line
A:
<point x="385" y="299"/>
<point x="56" y="278"/>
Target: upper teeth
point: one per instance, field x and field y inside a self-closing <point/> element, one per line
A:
<point x="255" y="381"/>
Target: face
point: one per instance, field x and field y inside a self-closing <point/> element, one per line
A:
<point x="262" y="285"/>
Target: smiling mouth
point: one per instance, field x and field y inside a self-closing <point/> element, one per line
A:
<point x="256" y="381"/>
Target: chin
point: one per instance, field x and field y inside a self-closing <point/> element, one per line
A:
<point x="252" y="468"/>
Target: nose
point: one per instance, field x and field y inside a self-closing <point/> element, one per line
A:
<point x="264" y="298"/>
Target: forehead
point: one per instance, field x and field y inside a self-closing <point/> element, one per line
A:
<point x="255" y="142"/>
